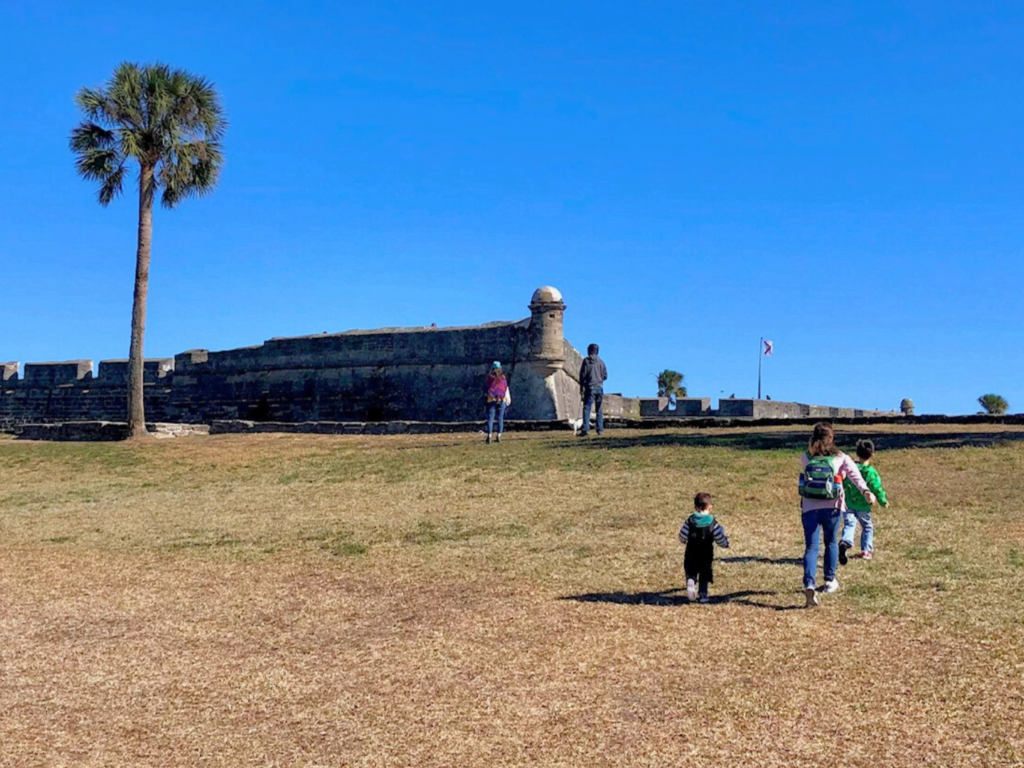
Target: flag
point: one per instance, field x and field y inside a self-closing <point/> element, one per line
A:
<point x="767" y="347"/>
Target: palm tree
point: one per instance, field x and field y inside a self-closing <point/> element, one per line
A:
<point x="170" y="122"/>
<point x="670" y="384"/>
<point x="994" y="404"/>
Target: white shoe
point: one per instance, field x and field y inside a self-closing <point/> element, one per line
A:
<point x="830" y="586"/>
<point x="812" y="597"/>
<point x="691" y="590"/>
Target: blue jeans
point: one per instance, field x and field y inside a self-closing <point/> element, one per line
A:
<point x="593" y="397"/>
<point x="826" y="520"/>
<point x="867" y="529"/>
<point x="499" y="408"/>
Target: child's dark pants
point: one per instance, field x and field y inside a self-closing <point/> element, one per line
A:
<point x="698" y="563"/>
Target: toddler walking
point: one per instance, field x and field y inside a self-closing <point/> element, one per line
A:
<point x="858" y="508"/>
<point x="700" y="533"/>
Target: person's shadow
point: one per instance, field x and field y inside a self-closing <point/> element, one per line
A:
<point x="672" y="596"/>
<point x="677" y="595"/>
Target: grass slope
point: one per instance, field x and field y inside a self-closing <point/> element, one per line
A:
<point x="385" y="601"/>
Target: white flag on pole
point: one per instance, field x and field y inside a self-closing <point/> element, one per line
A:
<point x="767" y="348"/>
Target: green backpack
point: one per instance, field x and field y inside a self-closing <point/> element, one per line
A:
<point x="819" y="479"/>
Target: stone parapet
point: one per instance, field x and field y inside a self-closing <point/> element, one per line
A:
<point x="684" y="407"/>
<point x="57" y="374"/>
<point x="115" y="372"/>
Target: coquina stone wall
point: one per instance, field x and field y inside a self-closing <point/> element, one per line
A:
<point x="749" y="408"/>
<point x="416" y="374"/>
<point x="68" y="391"/>
<point x="384" y="375"/>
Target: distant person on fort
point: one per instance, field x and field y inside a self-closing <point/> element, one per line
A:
<point x="498" y="399"/>
<point x="593" y="374"/>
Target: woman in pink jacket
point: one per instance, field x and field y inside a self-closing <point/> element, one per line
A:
<point x="823" y="503"/>
<point x="497" y="400"/>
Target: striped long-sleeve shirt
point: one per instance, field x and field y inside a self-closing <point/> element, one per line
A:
<point x="703" y="520"/>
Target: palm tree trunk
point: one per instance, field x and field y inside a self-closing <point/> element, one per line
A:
<point x="136" y="404"/>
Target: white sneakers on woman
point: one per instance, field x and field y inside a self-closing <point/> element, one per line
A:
<point x="811" y="594"/>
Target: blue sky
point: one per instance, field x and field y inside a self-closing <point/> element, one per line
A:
<point x="844" y="178"/>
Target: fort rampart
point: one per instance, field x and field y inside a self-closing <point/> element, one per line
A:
<point x="386" y="375"/>
<point x="416" y="374"/>
<point x="749" y="408"/>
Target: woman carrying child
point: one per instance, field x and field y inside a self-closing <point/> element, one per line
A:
<point x="823" y="504"/>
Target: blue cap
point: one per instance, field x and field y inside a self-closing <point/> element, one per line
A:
<point x="495" y="364"/>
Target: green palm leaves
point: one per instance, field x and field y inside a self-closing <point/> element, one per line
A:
<point x="670" y="384"/>
<point x="167" y="120"/>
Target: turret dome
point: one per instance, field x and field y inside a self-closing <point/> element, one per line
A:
<point x="546" y="295"/>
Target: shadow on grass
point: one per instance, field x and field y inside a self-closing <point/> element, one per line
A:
<point x="667" y="597"/>
<point x="759" y="559"/>
<point x="797" y="440"/>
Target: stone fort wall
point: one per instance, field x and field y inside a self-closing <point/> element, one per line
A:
<point x="416" y="374"/>
<point x="749" y="408"/>
<point x="383" y="375"/>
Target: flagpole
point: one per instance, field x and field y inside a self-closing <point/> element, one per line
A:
<point x="760" y="343"/>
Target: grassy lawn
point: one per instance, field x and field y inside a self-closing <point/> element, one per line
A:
<point x="432" y="601"/>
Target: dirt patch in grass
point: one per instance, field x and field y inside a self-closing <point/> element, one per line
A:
<point x="434" y="601"/>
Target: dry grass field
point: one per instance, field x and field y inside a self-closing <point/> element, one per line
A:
<point x="286" y="600"/>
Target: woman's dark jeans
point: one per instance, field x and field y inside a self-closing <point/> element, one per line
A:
<point x="496" y="408"/>
<point x="815" y="520"/>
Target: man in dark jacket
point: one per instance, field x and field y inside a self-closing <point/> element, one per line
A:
<point x="592" y="377"/>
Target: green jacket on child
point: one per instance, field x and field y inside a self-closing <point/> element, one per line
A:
<point x="855" y="499"/>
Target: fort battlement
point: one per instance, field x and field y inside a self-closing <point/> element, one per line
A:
<point x="79" y="372"/>
<point x="422" y="374"/>
<point x="384" y="374"/>
<point x="748" y="408"/>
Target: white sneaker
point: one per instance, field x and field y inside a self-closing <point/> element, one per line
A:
<point x="691" y="590"/>
<point x="830" y="586"/>
<point x="812" y="597"/>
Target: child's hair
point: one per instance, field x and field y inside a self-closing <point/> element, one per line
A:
<point x="702" y="501"/>
<point x="823" y="440"/>
<point x="865" y="449"/>
<point x="593" y="349"/>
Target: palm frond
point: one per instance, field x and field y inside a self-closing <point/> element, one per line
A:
<point x="193" y="171"/>
<point x="199" y="111"/>
<point x="96" y="105"/>
<point x="112" y="185"/>
<point x="131" y="143"/>
<point x="125" y="94"/>
<point x="88" y="135"/>
<point x="97" y="164"/>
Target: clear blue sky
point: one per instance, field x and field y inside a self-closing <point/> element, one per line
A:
<point x="844" y="178"/>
